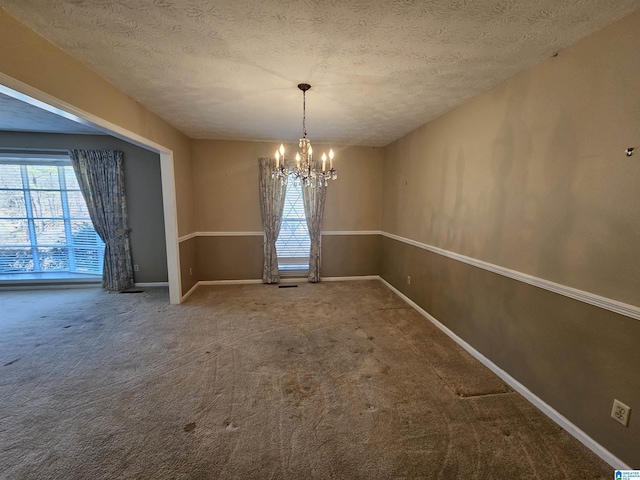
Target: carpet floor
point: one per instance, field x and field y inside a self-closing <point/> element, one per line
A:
<point x="332" y="380"/>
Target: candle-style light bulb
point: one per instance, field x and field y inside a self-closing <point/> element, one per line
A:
<point x="324" y="161"/>
<point x="282" y="150"/>
<point x="331" y="159"/>
<point x="298" y="159"/>
<point x="277" y="159"/>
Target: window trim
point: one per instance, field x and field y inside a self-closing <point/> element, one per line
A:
<point x="293" y="263"/>
<point x="55" y="159"/>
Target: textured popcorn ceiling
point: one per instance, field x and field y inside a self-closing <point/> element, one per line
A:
<point x="228" y="69"/>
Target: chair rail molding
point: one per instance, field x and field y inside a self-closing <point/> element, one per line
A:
<point x="615" y="306"/>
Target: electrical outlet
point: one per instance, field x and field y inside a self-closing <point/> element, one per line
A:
<point x="136" y="268"/>
<point x="620" y="412"/>
<point x="190" y="271"/>
<point x="408" y="280"/>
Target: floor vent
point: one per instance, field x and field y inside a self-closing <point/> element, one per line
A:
<point x="287" y="286"/>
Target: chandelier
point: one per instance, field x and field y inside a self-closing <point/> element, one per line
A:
<point x="305" y="170"/>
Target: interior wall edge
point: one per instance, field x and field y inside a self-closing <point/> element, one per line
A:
<point x="615" y="306"/>
<point x="247" y="281"/>
<point x="351" y="278"/>
<point x="549" y="411"/>
<point x="25" y="92"/>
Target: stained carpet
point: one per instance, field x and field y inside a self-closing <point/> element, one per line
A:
<point x="333" y="380"/>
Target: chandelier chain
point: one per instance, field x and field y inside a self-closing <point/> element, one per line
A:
<point x="304" y="114"/>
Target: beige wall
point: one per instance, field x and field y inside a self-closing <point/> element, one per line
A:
<point x="354" y="200"/>
<point x="225" y="180"/>
<point x="532" y="176"/>
<point x="225" y="185"/>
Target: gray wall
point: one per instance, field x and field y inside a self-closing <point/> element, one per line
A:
<point x="143" y="189"/>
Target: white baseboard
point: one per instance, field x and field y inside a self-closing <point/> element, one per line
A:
<point x="346" y="279"/>
<point x="76" y="284"/>
<point x="218" y="282"/>
<point x="549" y="411"/>
<point x="301" y="279"/>
<point x="282" y="280"/>
<point x="44" y="286"/>
<point x="304" y="279"/>
<point x="230" y="282"/>
<point x="188" y="294"/>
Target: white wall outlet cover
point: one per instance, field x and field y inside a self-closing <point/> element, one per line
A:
<point x="620" y="412"/>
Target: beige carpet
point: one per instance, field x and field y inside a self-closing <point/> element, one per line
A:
<point x="334" y="380"/>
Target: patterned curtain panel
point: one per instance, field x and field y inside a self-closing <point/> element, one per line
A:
<point x="272" y="192"/>
<point x="313" y="198"/>
<point x="101" y="178"/>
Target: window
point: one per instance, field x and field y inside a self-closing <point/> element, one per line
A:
<point x="44" y="221"/>
<point x="293" y="242"/>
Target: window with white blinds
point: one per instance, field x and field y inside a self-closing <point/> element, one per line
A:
<point x="293" y="242"/>
<point x="44" y="221"/>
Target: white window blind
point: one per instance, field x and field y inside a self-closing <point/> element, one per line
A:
<point x="44" y="221"/>
<point x="293" y="242"/>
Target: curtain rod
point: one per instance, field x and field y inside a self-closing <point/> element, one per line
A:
<point x="22" y="152"/>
